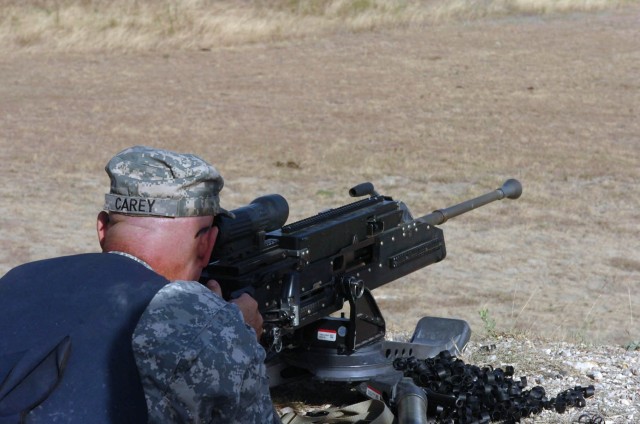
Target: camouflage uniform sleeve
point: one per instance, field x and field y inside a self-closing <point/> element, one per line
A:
<point x="198" y="361"/>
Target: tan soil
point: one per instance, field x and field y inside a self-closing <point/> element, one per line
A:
<point x="431" y="115"/>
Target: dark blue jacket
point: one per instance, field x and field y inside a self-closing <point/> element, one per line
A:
<point x="65" y="339"/>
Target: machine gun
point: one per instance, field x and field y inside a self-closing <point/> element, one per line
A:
<point x="301" y="273"/>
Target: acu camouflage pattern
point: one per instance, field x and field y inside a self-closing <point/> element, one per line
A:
<point x="155" y="182"/>
<point x="198" y="361"/>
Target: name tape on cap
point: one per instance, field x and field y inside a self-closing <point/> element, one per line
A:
<point x="141" y="205"/>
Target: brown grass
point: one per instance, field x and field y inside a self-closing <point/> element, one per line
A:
<point x="123" y="25"/>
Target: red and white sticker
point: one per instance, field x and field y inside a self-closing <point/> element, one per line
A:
<point x="373" y="393"/>
<point x="327" y="335"/>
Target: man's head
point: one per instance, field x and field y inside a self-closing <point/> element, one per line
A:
<point x="160" y="208"/>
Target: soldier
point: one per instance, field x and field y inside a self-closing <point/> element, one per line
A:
<point x="89" y="338"/>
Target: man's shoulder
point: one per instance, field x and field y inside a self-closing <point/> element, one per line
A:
<point x="180" y="299"/>
<point x="182" y="310"/>
<point x="100" y="264"/>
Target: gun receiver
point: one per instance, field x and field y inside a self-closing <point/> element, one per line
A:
<point x="301" y="273"/>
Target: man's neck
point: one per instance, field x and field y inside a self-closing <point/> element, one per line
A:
<point x="130" y="256"/>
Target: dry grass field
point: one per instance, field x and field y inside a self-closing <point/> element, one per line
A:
<point x="433" y="105"/>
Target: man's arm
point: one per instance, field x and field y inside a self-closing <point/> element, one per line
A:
<point x="199" y="361"/>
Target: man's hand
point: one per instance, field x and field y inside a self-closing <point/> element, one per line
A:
<point x="249" y="308"/>
<point x="247" y="305"/>
<point x="214" y="286"/>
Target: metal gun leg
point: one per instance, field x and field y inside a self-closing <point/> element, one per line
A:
<point x="411" y="403"/>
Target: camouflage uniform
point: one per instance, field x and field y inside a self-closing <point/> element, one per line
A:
<point x="199" y="361"/>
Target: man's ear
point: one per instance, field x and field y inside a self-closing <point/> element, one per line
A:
<point x="205" y="245"/>
<point x="102" y="226"/>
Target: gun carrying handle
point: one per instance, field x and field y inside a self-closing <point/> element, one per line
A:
<point x="364" y="189"/>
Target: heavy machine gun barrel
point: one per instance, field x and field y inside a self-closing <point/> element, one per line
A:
<point x="511" y="189"/>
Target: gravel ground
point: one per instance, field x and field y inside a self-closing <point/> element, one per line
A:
<point x="557" y="367"/>
<point x="613" y="371"/>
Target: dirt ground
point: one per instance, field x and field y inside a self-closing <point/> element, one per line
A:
<point x="431" y="115"/>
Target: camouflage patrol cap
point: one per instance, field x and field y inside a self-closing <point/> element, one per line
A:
<point x="153" y="182"/>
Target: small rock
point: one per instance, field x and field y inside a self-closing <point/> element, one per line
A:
<point x="583" y="365"/>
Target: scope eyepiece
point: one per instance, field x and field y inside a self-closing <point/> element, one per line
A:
<point x="266" y="213"/>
